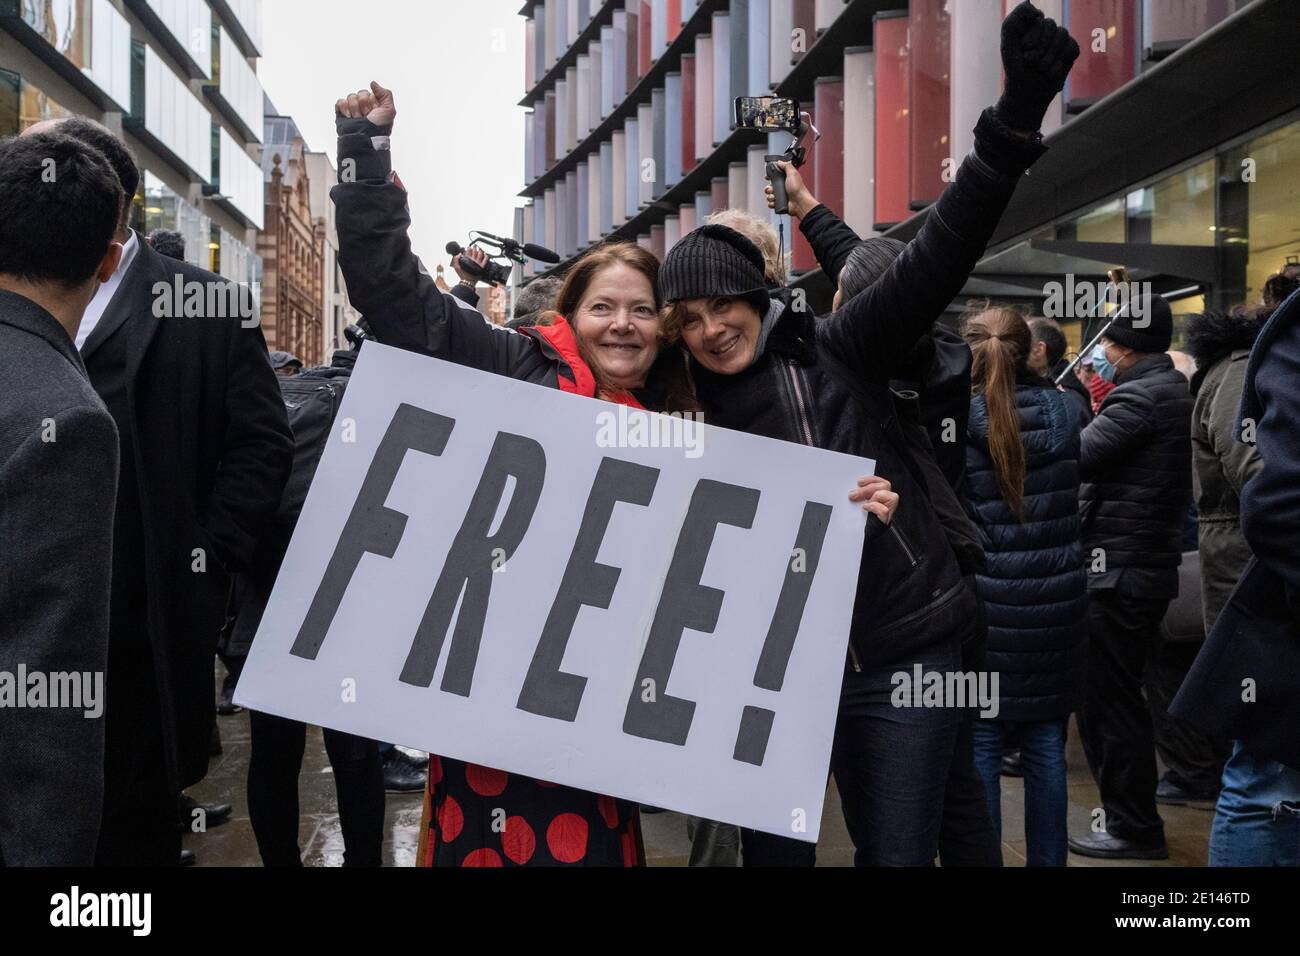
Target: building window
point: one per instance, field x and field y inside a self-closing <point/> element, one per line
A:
<point x="1258" y="211"/>
<point x="65" y="25"/>
<point x="1241" y="206"/>
<point x="168" y="116"/>
<point x="1106" y="31"/>
<point x="23" y="105"/>
<point x="1103" y="224"/>
<point x="1176" y="211"/>
<point x="893" y="124"/>
<point x="1171" y="23"/>
<point x="930" y="62"/>
<point x="159" y="207"/>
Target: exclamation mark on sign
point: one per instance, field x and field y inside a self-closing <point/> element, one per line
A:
<point x="756" y="722"/>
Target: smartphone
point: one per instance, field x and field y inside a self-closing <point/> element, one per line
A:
<point x="766" y="112"/>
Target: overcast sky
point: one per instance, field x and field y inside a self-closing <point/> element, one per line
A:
<point x="457" y="69"/>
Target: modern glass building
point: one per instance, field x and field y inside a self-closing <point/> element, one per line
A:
<point x="178" y="78"/>
<point x="1174" y="150"/>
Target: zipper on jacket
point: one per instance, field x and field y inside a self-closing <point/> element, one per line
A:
<point x="853" y="658"/>
<point x="805" y="424"/>
<point x="801" y="405"/>
<point x="911" y="556"/>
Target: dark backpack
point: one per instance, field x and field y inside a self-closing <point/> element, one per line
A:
<point x="312" y="405"/>
<point x="312" y="402"/>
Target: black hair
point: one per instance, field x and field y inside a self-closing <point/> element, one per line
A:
<point x="1050" y="334"/>
<point x="114" y="150"/>
<point x="1280" y="287"/>
<point x="167" y="243"/>
<point x="60" y="204"/>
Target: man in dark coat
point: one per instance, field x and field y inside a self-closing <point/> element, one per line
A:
<point x="1222" y="466"/>
<point x="1047" y="358"/>
<point x="58" y="480"/>
<point x="1136" y="465"/>
<point x="1245" y="685"/>
<point x="1244" y="832"/>
<point x="205" y="453"/>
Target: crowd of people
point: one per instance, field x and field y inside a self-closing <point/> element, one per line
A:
<point x="1028" y="519"/>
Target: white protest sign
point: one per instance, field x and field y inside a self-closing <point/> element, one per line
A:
<point x="666" y="625"/>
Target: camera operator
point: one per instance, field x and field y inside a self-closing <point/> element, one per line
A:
<point x="467" y="288"/>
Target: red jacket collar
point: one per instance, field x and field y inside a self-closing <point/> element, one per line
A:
<point x="574" y="373"/>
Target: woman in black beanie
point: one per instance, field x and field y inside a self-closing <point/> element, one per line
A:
<point x="764" y="366"/>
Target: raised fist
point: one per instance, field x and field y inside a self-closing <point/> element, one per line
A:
<point x="375" y="105"/>
<point x="1037" y="55"/>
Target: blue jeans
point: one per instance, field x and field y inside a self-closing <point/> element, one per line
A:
<point x="1257" y="822"/>
<point x="891" y="764"/>
<point x="1042" y="754"/>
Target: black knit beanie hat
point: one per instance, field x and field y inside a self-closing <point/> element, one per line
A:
<point x="1153" y="331"/>
<point x="714" y="261"/>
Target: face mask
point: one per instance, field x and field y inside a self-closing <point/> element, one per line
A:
<point x="1102" y="365"/>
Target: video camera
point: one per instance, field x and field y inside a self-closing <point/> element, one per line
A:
<point x="497" y="272"/>
<point x="777" y="113"/>
<point x="358" y="335"/>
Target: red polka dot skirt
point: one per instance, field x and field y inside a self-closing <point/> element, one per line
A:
<point x="476" y="816"/>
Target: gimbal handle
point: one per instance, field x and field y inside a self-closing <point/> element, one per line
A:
<point x="776" y="176"/>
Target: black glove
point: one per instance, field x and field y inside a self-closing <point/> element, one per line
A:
<point x="344" y="125"/>
<point x="1037" y="56"/>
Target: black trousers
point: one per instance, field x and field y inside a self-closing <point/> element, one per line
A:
<point x="1195" y="759"/>
<point x="140" y="825"/>
<point x="1114" y="718"/>
<point x="278" y="745"/>
<point x="967" y="836"/>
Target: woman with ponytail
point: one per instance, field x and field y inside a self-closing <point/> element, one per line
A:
<point x="1022" y="457"/>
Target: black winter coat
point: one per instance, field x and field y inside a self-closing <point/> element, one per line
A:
<point x="826" y="382"/>
<point x="1136" y="464"/>
<point x="1221" y="465"/>
<point x="251" y="589"/>
<point x="403" y="305"/>
<point x="1076" y="392"/>
<point x="1255" y="642"/>
<point x="931" y="391"/>
<point x="210" y="450"/>
<point x="1035" y="591"/>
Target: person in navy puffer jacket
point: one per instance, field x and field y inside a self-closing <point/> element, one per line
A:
<point x="1022" y="458"/>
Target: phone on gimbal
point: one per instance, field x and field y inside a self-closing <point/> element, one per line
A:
<point x="767" y="113"/>
<point x="777" y="114"/>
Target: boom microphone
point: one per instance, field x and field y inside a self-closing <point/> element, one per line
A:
<point x="541" y="253"/>
<point x="508" y="248"/>
<point x="512" y="246"/>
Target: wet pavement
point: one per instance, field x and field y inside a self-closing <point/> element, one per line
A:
<point x="1187" y="830"/>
